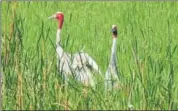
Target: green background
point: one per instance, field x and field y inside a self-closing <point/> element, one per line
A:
<point x="146" y="50"/>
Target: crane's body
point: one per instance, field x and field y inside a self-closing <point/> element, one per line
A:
<point x="79" y="65"/>
<point x="111" y="75"/>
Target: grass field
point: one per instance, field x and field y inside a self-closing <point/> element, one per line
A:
<point x="146" y="49"/>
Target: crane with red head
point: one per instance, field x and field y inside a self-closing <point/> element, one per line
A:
<point x="79" y="65"/>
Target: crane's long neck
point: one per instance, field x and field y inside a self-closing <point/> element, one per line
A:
<point x="58" y="37"/>
<point x="59" y="49"/>
<point x="113" y="51"/>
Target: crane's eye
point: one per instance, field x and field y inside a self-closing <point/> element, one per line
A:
<point x="114" y="31"/>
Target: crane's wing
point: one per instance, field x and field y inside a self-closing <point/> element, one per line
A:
<point x="85" y="77"/>
<point x="82" y="59"/>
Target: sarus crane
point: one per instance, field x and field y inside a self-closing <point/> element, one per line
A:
<point x="111" y="75"/>
<point x="80" y="65"/>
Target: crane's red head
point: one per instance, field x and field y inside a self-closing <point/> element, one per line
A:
<point x="114" y="31"/>
<point x="60" y="17"/>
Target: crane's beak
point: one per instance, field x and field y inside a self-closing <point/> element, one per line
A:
<point x="52" y="17"/>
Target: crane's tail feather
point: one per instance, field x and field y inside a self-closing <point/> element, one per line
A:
<point x="93" y="64"/>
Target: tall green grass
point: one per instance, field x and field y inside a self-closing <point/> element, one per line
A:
<point x="146" y="49"/>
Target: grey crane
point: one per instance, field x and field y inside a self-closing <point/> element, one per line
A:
<point x="111" y="75"/>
